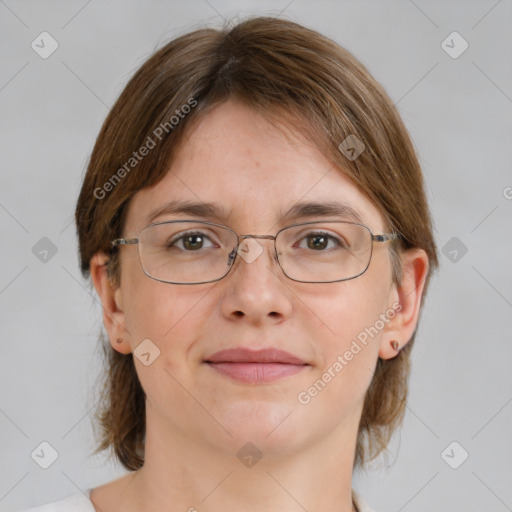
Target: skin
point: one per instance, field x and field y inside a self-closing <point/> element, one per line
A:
<point x="197" y="420"/>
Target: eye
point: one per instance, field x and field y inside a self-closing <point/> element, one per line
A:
<point x="319" y="241"/>
<point x="190" y="241"/>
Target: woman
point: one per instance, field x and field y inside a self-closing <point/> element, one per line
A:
<point x="254" y="221"/>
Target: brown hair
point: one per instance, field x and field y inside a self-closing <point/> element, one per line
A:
<point x="274" y="66"/>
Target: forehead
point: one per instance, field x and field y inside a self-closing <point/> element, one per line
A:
<point x="254" y="172"/>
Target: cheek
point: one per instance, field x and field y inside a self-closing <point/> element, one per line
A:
<point x="147" y="304"/>
<point x="350" y="317"/>
<point x="171" y="316"/>
<point x="160" y="311"/>
<point x="345" y="309"/>
<point x="346" y="344"/>
<point x="171" y="319"/>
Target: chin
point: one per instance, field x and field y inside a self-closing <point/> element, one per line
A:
<point x="267" y="423"/>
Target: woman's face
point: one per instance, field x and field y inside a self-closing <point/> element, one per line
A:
<point x="237" y="160"/>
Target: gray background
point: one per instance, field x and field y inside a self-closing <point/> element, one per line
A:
<point x="459" y="114"/>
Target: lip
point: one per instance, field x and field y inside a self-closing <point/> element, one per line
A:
<point x="255" y="366"/>
<point x="245" y="355"/>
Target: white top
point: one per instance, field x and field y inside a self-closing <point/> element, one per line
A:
<point x="81" y="503"/>
<point x="75" y="503"/>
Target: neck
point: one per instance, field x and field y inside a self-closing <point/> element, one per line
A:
<point x="184" y="472"/>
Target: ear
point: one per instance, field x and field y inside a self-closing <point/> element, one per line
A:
<point x="405" y="300"/>
<point x="111" y="303"/>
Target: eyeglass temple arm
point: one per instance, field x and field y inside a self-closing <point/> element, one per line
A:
<point x="378" y="238"/>
<point x="124" y="241"/>
<point x="386" y="237"/>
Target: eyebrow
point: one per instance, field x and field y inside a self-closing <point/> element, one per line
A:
<point x="327" y="209"/>
<point x="191" y="208"/>
<point x="302" y="210"/>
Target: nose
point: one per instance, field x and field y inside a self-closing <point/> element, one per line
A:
<point x="256" y="290"/>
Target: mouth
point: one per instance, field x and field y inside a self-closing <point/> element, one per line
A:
<point x="255" y="366"/>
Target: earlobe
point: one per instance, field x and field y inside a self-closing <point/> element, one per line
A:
<point x="408" y="294"/>
<point x="111" y="302"/>
<point x="391" y="350"/>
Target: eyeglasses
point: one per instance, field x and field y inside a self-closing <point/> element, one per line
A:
<point x="191" y="252"/>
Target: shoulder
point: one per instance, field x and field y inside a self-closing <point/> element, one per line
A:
<point x="78" y="502"/>
<point x="360" y="502"/>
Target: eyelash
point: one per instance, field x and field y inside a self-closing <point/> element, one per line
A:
<point x="182" y="236"/>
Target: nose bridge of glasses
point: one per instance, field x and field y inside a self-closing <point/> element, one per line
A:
<point x="249" y="250"/>
<point x="244" y="241"/>
<point x="269" y="237"/>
